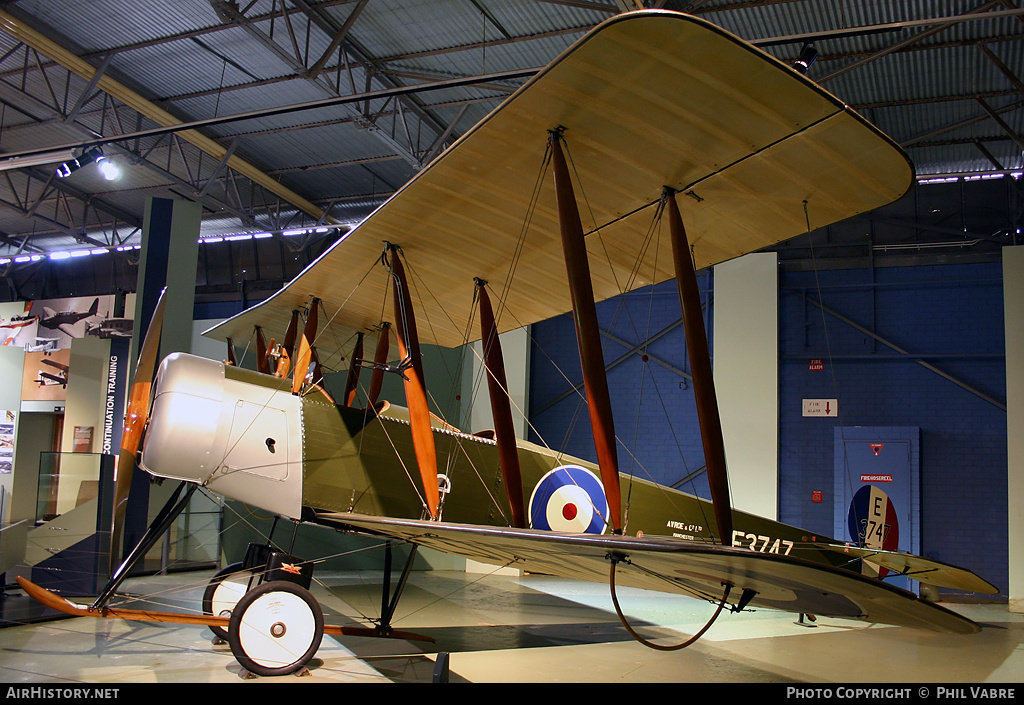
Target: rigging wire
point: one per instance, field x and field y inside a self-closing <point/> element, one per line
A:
<point x="622" y="308"/>
<point x="828" y="351"/>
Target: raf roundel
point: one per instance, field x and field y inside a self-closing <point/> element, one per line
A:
<point x="569" y="499"/>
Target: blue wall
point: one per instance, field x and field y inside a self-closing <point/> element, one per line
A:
<point x="952" y="314"/>
<point x="654" y="409"/>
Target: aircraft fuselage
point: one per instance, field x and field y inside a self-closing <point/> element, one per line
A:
<point x="245" y="435"/>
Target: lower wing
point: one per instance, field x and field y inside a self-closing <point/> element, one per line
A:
<point x="673" y="565"/>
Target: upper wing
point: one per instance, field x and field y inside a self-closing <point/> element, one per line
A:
<point x="647" y="100"/>
<point x="672" y="565"/>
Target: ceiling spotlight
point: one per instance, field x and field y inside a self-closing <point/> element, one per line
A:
<point x="110" y="170"/>
<point x="93" y="154"/>
<point x="807" y="57"/>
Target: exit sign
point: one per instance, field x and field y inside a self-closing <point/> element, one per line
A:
<point x="821" y="407"/>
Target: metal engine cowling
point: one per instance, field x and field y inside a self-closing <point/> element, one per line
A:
<point x="233" y="430"/>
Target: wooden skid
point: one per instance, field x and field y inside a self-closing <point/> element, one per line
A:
<point x="54" y="601"/>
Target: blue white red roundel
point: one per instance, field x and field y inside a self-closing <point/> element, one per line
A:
<point x="569" y="499"/>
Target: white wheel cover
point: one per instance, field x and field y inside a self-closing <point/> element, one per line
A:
<point x="256" y="630"/>
<point x="227" y="594"/>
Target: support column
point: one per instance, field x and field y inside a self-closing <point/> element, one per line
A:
<point x="1013" y="311"/>
<point x="746" y="332"/>
<point x="170" y="254"/>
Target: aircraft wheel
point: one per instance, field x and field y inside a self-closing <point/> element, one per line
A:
<point x="225" y="589"/>
<point x="276" y="628"/>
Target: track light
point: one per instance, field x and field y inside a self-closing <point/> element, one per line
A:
<point x="807" y="57"/>
<point x="109" y="170"/>
<point x="36" y="160"/>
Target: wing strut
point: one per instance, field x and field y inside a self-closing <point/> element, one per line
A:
<point x="703" y="381"/>
<point x="380" y="361"/>
<point x="415" y="387"/>
<point x="501" y="410"/>
<point x="587" y="333"/>
<point x="352" y="381"/>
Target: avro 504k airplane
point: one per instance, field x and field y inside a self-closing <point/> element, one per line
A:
<point x="652" y="119"/>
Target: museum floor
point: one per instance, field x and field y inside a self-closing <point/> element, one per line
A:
<point x="502" y="628"/>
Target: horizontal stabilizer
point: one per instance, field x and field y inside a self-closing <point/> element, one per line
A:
<point x="925" y="570"/>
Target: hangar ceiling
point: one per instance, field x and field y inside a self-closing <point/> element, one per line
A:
<point x="290" y="120"/>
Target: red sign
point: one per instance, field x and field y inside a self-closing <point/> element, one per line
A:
<point x="816" y="496"/>
<point x="816" y="365"/>
<point x="876" y="478"/>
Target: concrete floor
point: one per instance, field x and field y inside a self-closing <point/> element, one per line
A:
<point x="503" y="628"/>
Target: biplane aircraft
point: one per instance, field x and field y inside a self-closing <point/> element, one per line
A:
<point x="653" y="118"/>
<point x="58" y="376"/>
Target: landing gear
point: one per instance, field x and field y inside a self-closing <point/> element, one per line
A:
<point x="275" y="628"/>
<point x="275" y="624"/>
<point x="224" y="591"/>
<point x="261" y="606"/>
<point x="228" y="585"/>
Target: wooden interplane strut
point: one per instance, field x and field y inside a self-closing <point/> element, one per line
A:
<point x="703" y="382"/>
<point x="501" y="410"/>
<point x="380" y="361"/>
<point x="352" y="381"/>
<point x="415" y="387"/>
<point x="588" y="335"/>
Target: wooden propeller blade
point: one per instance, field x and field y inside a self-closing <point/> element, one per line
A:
<point x="284" y="362"/>
<point x="231" y="353"/>
<point x="139" y="399"/>
<point x="262" y="362"/>
<point x="305" y="348"/>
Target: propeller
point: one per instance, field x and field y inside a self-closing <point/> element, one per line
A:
<point x="305" y="357"/>
<point x="136" y="415"/>
<point x="262" y="361"/>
